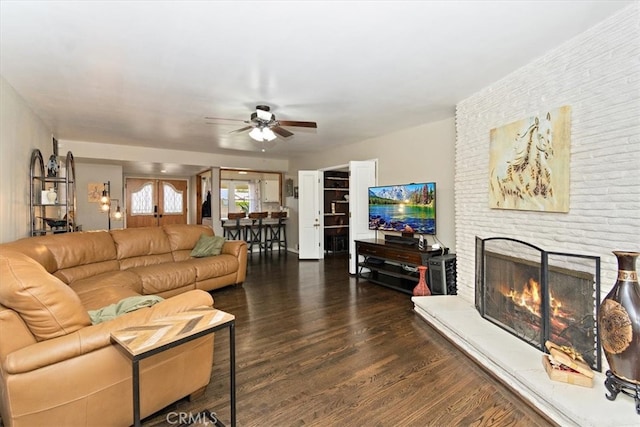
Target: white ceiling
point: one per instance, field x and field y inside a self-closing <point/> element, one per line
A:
<point x="148" y="72"/>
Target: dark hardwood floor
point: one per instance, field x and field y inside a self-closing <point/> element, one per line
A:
<point x="315" y="347"/>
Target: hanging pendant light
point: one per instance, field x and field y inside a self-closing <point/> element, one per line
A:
<point x="117" y="215"/>
<point x="256" y="134"/>
<point x="268" y="135"/>
<point x="105" y="200"/>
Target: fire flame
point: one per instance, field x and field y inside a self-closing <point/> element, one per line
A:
<point x="530" y="298"/>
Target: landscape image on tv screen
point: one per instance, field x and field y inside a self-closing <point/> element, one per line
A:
<point x="409" y="208"/>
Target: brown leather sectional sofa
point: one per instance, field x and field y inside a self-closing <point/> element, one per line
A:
<point x="56" y="368"/>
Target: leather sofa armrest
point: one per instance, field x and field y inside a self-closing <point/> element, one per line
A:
<point x="94" y="337"/>
<point x="237" y="248"/>
<point x="234" y="247"/>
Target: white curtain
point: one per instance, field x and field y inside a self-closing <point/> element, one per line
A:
<point x="254" y="196"/>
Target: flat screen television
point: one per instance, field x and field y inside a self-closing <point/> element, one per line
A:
<point x="409" y="208"/>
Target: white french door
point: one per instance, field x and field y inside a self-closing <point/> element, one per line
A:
<point x="362" y="175"/>
<point x="310" y="219"/>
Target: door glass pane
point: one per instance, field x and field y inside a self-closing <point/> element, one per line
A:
<point x="142" y="200"/>
<point x="172" y="200"/>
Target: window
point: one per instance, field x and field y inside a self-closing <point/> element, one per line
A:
<point x="244" y="191"/>
<point x="171" y="199"/>
<point x="238" y="193"/>
<point x="142" y="200"/>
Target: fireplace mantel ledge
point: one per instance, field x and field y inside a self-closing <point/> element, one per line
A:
<point x="519" y="365"/>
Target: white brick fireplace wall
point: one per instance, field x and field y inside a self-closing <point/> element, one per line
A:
<point x="598" y="74"/>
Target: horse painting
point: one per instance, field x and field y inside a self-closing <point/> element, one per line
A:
<point x="524" y="169"/>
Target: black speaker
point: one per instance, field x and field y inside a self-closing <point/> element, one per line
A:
<point x="442" y="275"/>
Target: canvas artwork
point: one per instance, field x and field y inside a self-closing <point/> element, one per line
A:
<point x="529" y="163"/>
<point x="94" y="191"/>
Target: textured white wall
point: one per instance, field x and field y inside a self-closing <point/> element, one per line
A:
<point x="598" y="74"/>
<point x="21" y="131"/>
<point x="423" y="153"/>
<point x="88" y="215"/>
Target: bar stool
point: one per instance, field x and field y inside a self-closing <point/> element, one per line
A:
<point x="232" y="229"/>
<point x="254" y="232"/>
<point x="276" y="233"/>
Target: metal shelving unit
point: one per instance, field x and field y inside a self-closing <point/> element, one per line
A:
<point x="52" y="217"/>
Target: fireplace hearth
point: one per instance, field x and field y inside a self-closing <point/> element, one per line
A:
<point x="538" y="295"/>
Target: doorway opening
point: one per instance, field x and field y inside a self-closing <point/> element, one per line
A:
<point x="336" y="211"/>
<point x="204" y="197"/>
<point x="312" y="210"/>
<point x="249" y="191"/>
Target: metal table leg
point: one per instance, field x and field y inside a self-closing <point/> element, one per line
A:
<point x="232" y="363"/>
<point x="136" y="393"/>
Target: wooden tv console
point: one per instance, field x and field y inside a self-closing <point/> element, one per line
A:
<point x="392" y="264"/>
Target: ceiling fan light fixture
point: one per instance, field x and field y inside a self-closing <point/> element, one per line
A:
<point x="256" y="133"/>
<point x="261" y="134"/>
<point x="263" y="126"/>
<point x="268" y="134"/>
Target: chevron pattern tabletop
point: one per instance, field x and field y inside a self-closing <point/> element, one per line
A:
<point x="169" y="329"/>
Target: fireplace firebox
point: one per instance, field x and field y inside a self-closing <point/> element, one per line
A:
<point x="539" y="295"/>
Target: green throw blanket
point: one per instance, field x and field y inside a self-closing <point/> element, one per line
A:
<point x="123" y="306"/>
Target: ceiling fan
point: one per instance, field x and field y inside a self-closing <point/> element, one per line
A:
<point x="265" y="127"/>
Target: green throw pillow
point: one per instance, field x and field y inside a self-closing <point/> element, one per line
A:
<point x="208" y="246"/>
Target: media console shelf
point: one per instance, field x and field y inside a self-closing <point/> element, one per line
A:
<point x="392" y="264"/>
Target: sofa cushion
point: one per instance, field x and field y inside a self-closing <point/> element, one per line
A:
<point x="87" y="271"/>
<point x="70" y="256"/>
<point x="208" y="246"/>
<point x="75" y="249"/>
<point x="164" y="277"/>
<point x="138" y="247"/>
<point x="207" y="269"/>
<point x="99" y="297"/>
<point x="107" y="281"/>
<point x="112" y="279"/>
<point x="183" y="237"/>
<point x="36" y="248"/>
<point x="48" y="306"/>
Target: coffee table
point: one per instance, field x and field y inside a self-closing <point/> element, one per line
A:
<point x="140" y="342"/>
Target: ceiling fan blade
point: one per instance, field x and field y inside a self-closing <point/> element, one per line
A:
<point x="296" y="123"/>
<point x="222" y="118"/>
<point x="281" y="132"/>
<point x="242" y="129"/>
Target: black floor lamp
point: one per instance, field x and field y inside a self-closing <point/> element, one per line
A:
<point x="105" y="204"/>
